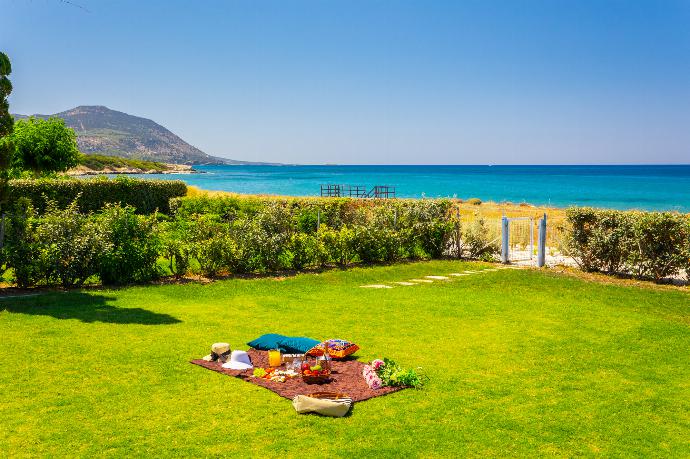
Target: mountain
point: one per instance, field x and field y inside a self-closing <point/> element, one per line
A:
<point x="101" y="130"/>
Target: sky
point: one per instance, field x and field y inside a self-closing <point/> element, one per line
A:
<point x="371" y="81"/>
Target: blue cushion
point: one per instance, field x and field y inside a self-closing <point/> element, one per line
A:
<point x="267" y="342"/>
<point x="297" y="344"/>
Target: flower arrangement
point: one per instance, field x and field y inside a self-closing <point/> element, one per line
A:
<point x="386" y="372"/>
<point x="371" y="378"/>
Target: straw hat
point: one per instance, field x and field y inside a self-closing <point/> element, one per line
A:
<point x="239" y="360"/>
<point x="219" y="351"/>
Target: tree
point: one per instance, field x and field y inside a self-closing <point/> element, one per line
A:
<point x="6" y="126"/>
<point x="44" y="146"/>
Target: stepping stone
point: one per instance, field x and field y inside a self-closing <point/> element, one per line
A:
<point x="405" y="283"/>
<point x="491" y="269"/>
<point x="426" y="281"/>
<point x="458" y="274"/>
<point x="436" y="277"/>
<point x="375" y="286"/>
<point x="470" y="272"/>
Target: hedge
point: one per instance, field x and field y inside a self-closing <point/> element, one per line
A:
<point x="144" y="195"/>
<point x="652" y="245"/>
<point x="66" y="246"/>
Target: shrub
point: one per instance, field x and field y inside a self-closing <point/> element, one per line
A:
<point x="376" y="244"/>
<point x="477" y="243"/>
<point x="134" y="246"/>
<point x="176" y="246"/>
<point x="644" y="244"/>
<point x="661" y="242"/>
<point x="22" y="248"/>
<point x="599" y="240"/>
<point x="72" y="244"/>
<point x="305" y="250"/>
<point x="44" y="146"/>
<point x="339" y="244"/>
<point x="210" y="244"/>
<point x="93" y="194"/>
<point x="474" y="201"/>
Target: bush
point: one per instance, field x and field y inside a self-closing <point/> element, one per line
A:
<point x="69" y="246"/>
<point x="474" y="201"/>
<point x="22" y="248"/>
<point x="644" y="244"/>
<point x="661" y="244"/>
<point x="477" y="243"/>
<point x="134" y="246"/>
<point x="305" y="250"/>
<point x="146" y="196"/>
<point x="338" y="244"/>
<point x="176" y="246"/>
<point x="599" y="240"/>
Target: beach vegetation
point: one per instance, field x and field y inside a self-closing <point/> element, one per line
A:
<point x="474" y="201"/>
<point x="44" y="146"/>
<point x="101" y="162"/>
<point x="651" y="245"/>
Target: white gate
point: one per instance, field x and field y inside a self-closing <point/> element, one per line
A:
<point x="517" y="240"/>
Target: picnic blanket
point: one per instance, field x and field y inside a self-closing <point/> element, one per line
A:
<point x="346" y="375"/>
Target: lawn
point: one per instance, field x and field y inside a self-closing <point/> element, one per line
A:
<point x="520" y="362"/>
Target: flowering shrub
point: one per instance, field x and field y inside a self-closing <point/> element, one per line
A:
<point x="390" y="373"/>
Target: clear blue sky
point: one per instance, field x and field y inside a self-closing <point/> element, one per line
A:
<point x="355" y="81"/>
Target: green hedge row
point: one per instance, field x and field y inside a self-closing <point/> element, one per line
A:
<point x="652" y="245"/>
<point x="93" y="194"/>
<point x="212" y="236"/>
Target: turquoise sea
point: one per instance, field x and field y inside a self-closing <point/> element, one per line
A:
<point x="657" y="187"/>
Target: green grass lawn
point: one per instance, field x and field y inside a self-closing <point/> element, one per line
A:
<point x="520" y="362"/>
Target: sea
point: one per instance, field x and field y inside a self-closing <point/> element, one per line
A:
<point x="647" y="187"/>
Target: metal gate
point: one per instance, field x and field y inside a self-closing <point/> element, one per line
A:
<point x="517" y="240"/>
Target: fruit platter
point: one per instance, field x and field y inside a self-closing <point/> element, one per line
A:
<point x="273" y="374"/>
<point x="314" y="374"/>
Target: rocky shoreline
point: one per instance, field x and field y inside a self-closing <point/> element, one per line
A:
<point x="108" y="170"/>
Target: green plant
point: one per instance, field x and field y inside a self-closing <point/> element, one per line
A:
<point x="134" y="246"/>
<point x="304" y="250"/>
<point x="100" y="162"/>
<point x="661" y="239"/>
<point x="22" y="248"/>
<point x="392" y="374"/>
<point x="477" y="242"/>
<point x="44" y="146"/>
<point x="643" y="244"/>
<point x="176" y="246"/>
<point x="146" y="196"/>
<point x="474" y="201"/>
<point x="6" y="127"/>
<point x="71" y="245"/>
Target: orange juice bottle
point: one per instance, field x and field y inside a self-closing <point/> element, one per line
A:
<point x="274" y="358"/>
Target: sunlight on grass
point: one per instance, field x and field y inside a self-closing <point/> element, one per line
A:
<point x="520" y="363"/>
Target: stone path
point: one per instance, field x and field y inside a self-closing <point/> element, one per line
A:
<point x="431" y="278"/>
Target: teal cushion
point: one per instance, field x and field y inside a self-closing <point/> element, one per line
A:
<point x="267" y="342"/>
<point x="297" y="344"/>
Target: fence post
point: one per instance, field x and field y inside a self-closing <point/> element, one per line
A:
<point x="505" y="228"/>
<point x="458" y="248"/>
<point x="541" y="250"/>
<point x="318" y="219"/>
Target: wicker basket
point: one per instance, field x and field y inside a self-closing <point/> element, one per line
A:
<point x="320" y="379"/>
